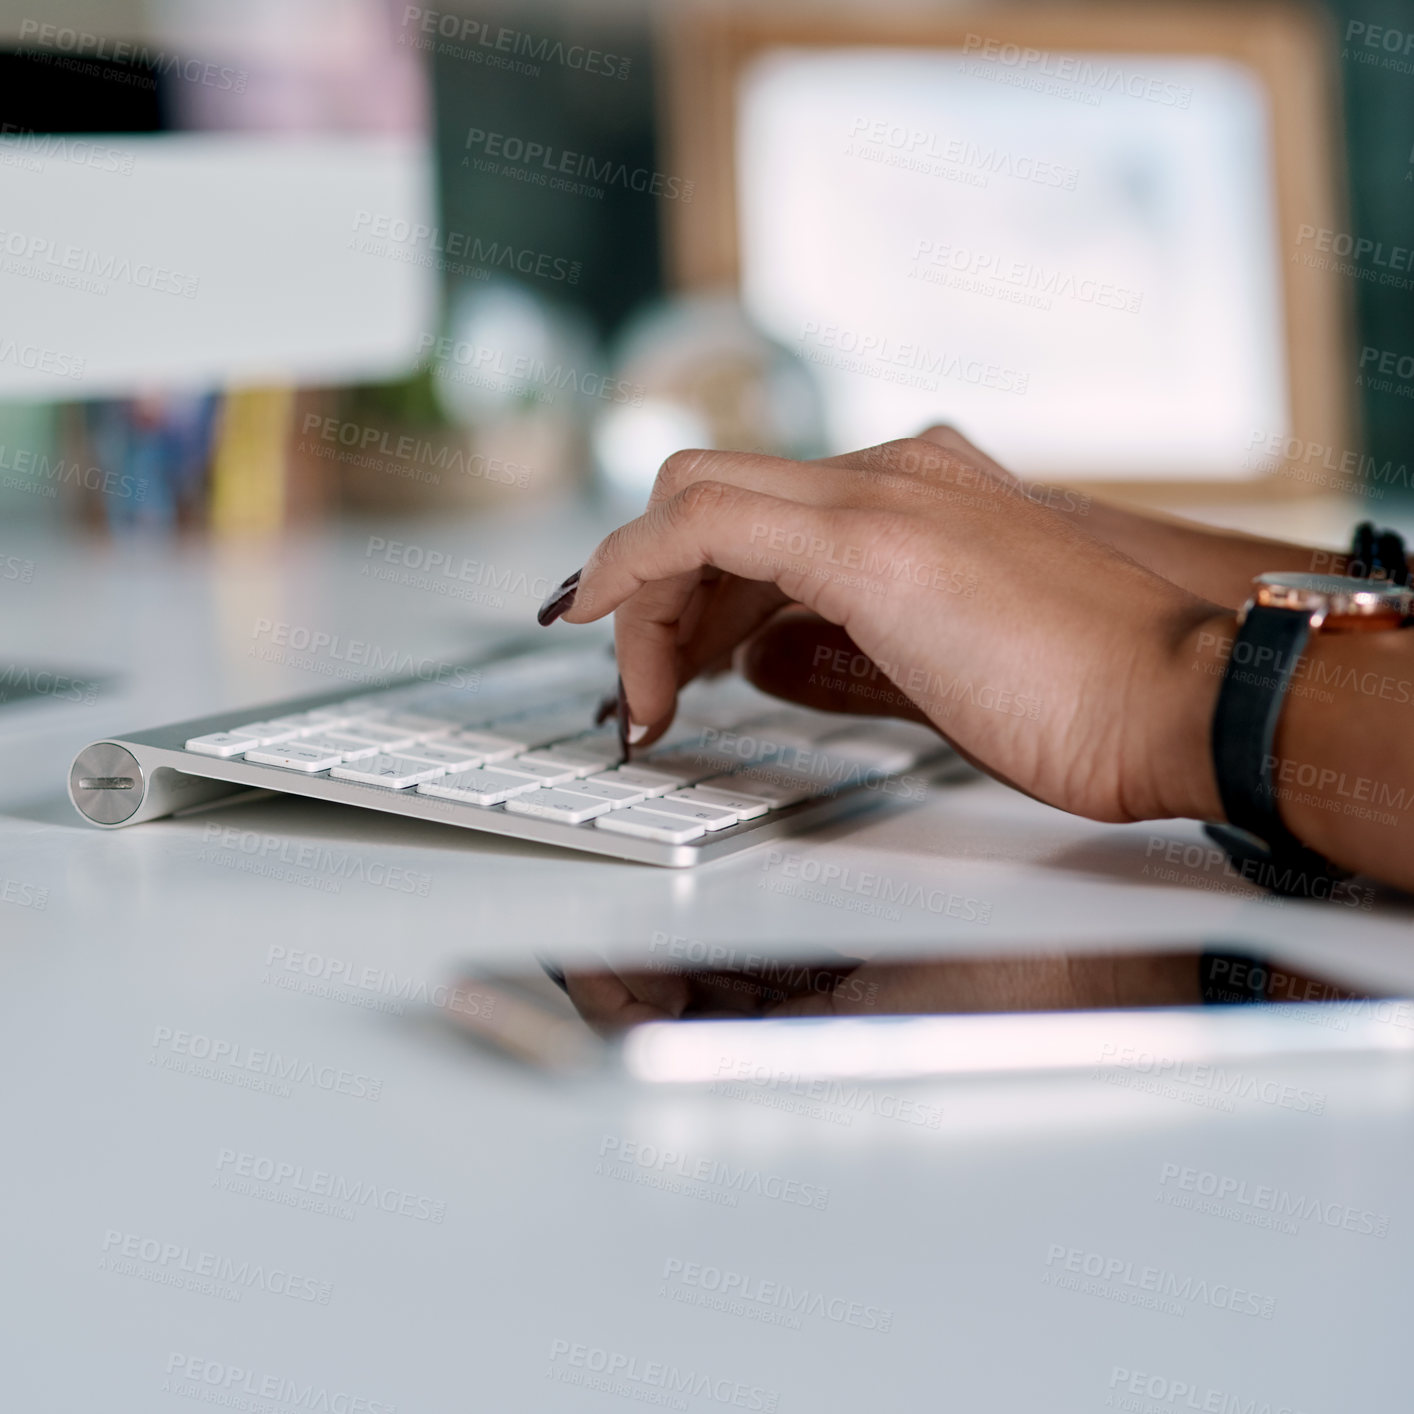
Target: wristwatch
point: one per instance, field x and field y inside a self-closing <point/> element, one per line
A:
<point x="1273" y="628"/>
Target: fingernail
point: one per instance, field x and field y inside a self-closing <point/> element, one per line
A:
<point x="557" y="601"/>
<point x="636" y="733"/>
<point x="608" y="705"/>
<point x="621" y="711"/>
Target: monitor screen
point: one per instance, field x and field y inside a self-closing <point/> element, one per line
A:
<point x="1075" y="264"/>
<point x="220" y="198"/>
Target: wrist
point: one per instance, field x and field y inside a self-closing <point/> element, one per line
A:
<point x="1182" y="780"/>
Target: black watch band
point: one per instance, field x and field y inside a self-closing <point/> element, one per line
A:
<point x="1268" y="646"/>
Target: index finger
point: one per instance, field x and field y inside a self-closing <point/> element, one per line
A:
<point x="709" y="523"/>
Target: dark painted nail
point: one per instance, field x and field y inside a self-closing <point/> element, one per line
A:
<point x="608" y="705"/>
<point x="558" y="600"/>
<point x="622" y="712"/>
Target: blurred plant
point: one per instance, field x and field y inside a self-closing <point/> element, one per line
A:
<point x="412" y="400"/>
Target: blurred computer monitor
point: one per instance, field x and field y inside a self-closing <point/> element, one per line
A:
<point x="210" y="193"/>
<point x="1074" y="233"/>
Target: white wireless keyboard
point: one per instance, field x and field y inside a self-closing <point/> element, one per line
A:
<point x="508" y="745"/>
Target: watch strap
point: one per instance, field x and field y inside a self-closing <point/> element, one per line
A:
<point x="1265" y="653"/>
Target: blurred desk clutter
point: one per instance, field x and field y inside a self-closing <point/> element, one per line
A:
<point x="472" y="427"/>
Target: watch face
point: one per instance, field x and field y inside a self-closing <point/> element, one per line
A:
<point x="1334" y="600"/>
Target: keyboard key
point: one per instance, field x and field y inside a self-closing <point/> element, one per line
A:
<point x="800" y="724"/>
<point x="686" y="767"/>
<point x="724" y="703"/>
<point x="296" y="756"/>
<point x="331" y="715"/>
<point x="647" y="781"/>
<point x="566" y="807"/>
<point x="673" y="775"/>
<point x="747" y="807"/>
<point x="442" y="751"/>
<point x="603" y="746"/>
<point x="266" y="733"/>
<point x="511" y="743"/>
<point x="710" y="817"/>
<point x="684" y="736"/>
<point x="482" y="786"/>
<point x="310" y="723"/>
<point x="489" y="747"/>
<point x="865" y="752"/>
<point x="505" y="732"/>
<point x="367" y="708"/>
<point x="386" y="738"/>
<point x="774" y="787"/>
<point x="445" y="700"/>
<point x="911" y="739"/>
<point x="565" y="758"/>
<point x="224" y="743"/>
<point x="413" y="723"/>
<point x="543" y="728"/>
<point x="350" y="747"/>
<point x="779" y="783"/>
<point x="295" y="725"/>
<point x="762" y="744"/>
<point x="543" y="772"/>
<point x="645" y="825"/>
<point x="394" y="772"/>
<point x="345" y="750"/>
<point x="597" y="789"/>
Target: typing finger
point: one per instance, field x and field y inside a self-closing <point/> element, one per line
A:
<point x="708" y="524"/>
<point x="720" y="613"/>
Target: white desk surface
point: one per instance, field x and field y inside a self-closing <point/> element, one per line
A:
<point x="150" y="929"/>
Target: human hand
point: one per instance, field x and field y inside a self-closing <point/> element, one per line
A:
<point x="936" y="588"/>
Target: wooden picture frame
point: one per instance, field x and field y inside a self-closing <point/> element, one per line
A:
<point x="1291" y="51"/>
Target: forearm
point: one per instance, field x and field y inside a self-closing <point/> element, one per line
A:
<point x="1345" y="753"/>
<point x="1217" y="565"/>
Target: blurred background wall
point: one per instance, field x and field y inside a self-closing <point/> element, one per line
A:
<point x="534" y="358"/>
